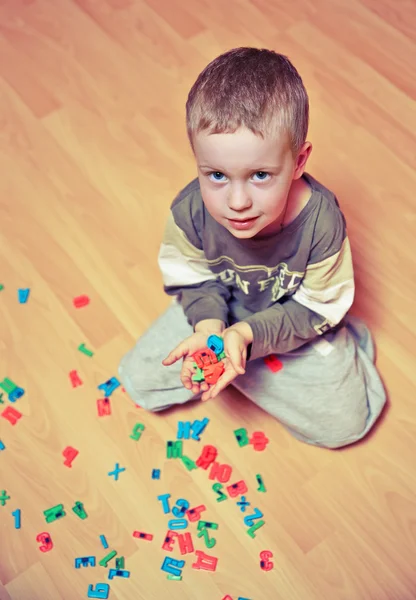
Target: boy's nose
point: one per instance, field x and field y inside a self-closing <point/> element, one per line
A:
<point x="238" y="199"/>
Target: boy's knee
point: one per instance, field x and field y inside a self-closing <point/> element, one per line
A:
<point x="341" y="432"/>
<point x="133" y="379"/>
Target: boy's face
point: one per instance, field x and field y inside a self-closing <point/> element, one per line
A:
<point x="246" y="180"/>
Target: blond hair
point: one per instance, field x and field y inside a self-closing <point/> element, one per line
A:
<point x="249" y="87"/>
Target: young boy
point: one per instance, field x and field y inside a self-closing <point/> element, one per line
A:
<point x="256" y="250"/>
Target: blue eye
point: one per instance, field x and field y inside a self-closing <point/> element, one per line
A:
<point x="262" y="175"/>
<point x="217" y="176"/>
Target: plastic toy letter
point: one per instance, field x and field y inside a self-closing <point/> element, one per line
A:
<point x="164" y="499"/>
<point x="194" y="514"/>
<point x="259" y="441"/>
<point x="118" y="573"/>
<point x="23" y="295"/>
<point x="169" y="540"/>
<point x="184" y="430"/>
<point x="217" y="487"/>
<point x="205" y="562"/>
<point x="237" y="489"/>
<point x="7" y="385"/>
<point x="17" y="517"/>
<point x="79" y="510"/>
<point x="137" y="431"/>
<point x="189" y="464"/>
<point x="215" y="343"/>
<point x="273" y="363"/>
<point x="260" y="481"/>
<point x="253" y="528"/>
<point x="16" y="394"/>
<point x="172" y="566"/>
<point x="11" y="414"/>
<point x="198" y="427"/>
<point x="249" y="519"/>
<point x="45" y="540"/>
<point x="208" y="455"/>
<point x="69" y="454"/>
<point x="180" y="509"/>
<point x="109" y="386"/>
<point x="103" y="407"/>
<point x="81" y="301"/>
<point x="85" y="350"/>
<point x="84" y="561"/>
<point x="220" y="472"/>
<point x="101" y="590"/>
<point x="265" y="564"/>
<point x="104" y="561"/>
<point x="54" y="513"/>
<point x="75" y="379"/>
<point x="209" y="542"/>
<point x="186" y="545"/>
<point x="177" y="524"/>
<point x="143" y="536"/>
<point x="173" y="449"/>
<point x="241" y="437"/>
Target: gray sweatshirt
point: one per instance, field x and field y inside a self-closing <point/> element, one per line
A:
<point x="290" y="287"/>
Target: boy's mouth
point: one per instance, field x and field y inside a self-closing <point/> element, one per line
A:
<point x="242" y="223"/>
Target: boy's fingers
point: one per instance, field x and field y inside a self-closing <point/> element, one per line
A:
<point x="234" y="356"/>
<point x="206" y="396"/>
<point x="234" y="350"/>
<point x="244" y="358"/>
<point x="176" y="354"/>
<point x="186" y="377"/>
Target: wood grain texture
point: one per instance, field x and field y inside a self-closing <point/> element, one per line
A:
<point x="93" y="149"/>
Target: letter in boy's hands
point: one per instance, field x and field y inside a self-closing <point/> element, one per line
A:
<point x="185" y="350"/>
<point x="236" y="340"/>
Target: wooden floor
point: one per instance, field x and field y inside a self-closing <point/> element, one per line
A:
<point x="92" y="151"/>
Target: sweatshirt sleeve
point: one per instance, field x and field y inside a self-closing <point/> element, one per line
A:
<point x="186" y="274"/>
<point x="323" y="298"/>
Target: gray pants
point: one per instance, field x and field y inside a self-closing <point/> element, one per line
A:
<point x="328" y="392"/>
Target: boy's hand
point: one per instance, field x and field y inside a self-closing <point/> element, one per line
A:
<point x="185" y="350"/>
<point x="236" y="339"/>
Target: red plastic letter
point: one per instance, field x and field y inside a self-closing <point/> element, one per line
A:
<point x="46" y="541"/>
<point x="185" y="543"/>
<point x="169" y="540"/>
<point x="220" y="472"/>
<point x="206" y="357"/>
<point x="273" y="363"/>
<point x="208" y="455"/>
<point x="213" y="372"/>
<point x="194" y="514"/>
<point x="104" y="407"/>
<point x="143" y="536"/>
<point x="69" y="454"/>
<point x="75" y="379"/>
<point x="81" y="301"/>
<point x="205" y="562"/>
<point x="265" y="564"/>
<point x="259" y="441"/>
<point x="11" y="414"/>
<point x="236" y="489"/>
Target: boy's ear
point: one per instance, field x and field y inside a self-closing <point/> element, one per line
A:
<point x="302" y="159"/>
